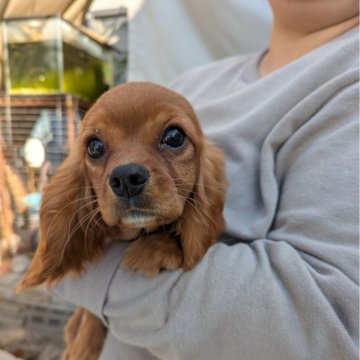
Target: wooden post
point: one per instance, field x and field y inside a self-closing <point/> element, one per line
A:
<point x="6" y="215"/>
<point x="70" y="119"/>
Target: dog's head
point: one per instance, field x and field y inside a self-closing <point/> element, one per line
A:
<point x="140" y="161"/>
<point x="140" y="145"/>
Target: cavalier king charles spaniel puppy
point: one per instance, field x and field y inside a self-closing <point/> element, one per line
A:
<point x="142" y="171"/>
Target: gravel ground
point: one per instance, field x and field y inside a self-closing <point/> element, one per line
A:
<point x="31" y="324"/>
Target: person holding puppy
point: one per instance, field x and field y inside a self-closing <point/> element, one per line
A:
<point x="282" y="282"/>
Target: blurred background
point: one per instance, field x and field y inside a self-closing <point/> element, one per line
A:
<point x="57" y="57"/>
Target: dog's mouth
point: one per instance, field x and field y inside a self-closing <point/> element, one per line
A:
<point x="135" y="222"/>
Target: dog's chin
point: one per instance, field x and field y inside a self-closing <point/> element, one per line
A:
<point x="135" y="219"/>
<point x="131" y="223"/>
<point x="127" y="224"/>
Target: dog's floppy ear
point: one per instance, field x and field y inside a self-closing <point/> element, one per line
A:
<point x="67" y="217"/>
<point x="202" y="220"/>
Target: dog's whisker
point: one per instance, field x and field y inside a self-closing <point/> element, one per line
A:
<point x="196" y="205"/>
<point x="73" y="216"/>
<point x="58" y="212"/>
<point x="72" y="203"/>
<point x="207" y="187"/>
<point x="87" y="227"/>
<point x="208" y="215"/>
<point x="185" y="197"/>
<point x="78" y="210"/>
<point x="80" y="223"/>
<point x="100" y="222"/>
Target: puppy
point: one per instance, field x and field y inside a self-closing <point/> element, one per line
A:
<point x="141" y="170"/>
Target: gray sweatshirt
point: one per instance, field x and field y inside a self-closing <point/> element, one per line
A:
<point x="282" y="282"/>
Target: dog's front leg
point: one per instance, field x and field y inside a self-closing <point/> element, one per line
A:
<point x="84" y="335"/>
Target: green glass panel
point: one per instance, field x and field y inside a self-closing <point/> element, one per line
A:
<point x="33" y="67"/>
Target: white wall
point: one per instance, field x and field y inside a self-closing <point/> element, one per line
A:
<point x="167" y="37"/>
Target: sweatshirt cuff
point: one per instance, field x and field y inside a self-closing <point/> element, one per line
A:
<point x="89" y="290"/>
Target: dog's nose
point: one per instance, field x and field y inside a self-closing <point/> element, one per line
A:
<point x="128" y="180"/>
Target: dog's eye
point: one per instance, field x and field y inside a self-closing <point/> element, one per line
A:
<point x="96" y="148"/>
<point x="173" y="137"/>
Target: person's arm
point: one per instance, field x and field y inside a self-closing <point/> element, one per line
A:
<point x="291" y="295"/>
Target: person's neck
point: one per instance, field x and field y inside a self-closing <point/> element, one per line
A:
<point x="286" y="46"/>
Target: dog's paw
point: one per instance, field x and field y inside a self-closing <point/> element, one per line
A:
<point x="153" y="253"/>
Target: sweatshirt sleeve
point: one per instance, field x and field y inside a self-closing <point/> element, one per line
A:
<point x="291" y="295"/>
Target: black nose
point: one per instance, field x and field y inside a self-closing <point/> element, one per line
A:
<point x="128" y="180"/>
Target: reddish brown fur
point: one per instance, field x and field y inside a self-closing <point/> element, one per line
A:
<point x="79" y="209"/>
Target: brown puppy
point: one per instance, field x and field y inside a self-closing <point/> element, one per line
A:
<point x="141" y="170"/>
